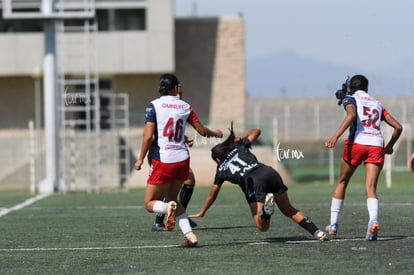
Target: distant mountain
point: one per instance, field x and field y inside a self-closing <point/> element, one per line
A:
<point x="286" y="74"/>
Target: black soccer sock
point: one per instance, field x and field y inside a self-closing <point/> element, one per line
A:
<point x="308" y="225"/>
<point x="159" y="218"/>
<point x="185" y="194"/>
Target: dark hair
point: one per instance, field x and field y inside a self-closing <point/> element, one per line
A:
<point x="358" y="82"/>
<point x="167" y="84"/>
<point x="220" y="151"/>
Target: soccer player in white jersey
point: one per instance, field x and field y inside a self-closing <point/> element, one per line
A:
<point x="166" y="119"/>
<point x="187" y="189"/>
<point x="365" y="144"/>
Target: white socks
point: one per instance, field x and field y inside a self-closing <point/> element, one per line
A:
<point x="336" y="208"/>
<point x="184" y="223"/>
<point x="372" y="205"/>
<point x="160" y="207"/>
<point x="182" y="220"/>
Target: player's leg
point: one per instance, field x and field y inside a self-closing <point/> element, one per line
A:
<point x="338" y="195"/>
<point x="283" y="203"/>
<point x="184" y="198"/>
<point x="158" y="224"/>
<point x="190" y="239"/>
<point x="371" y="179"/>
<point x="154" y="198"/>
<point x="261" y="219"/>
<point x="186" y="192"/>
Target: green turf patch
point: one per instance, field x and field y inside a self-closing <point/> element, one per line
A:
<point x="110" y="233"/>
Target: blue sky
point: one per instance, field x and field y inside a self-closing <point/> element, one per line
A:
<point x="371" y="35"/>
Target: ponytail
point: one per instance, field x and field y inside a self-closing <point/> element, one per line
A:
<point x="167" y="84"/>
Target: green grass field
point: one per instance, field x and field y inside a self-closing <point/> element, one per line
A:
<point x="110" y="233"/>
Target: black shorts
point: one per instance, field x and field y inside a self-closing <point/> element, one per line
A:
<point x="261" y="181"/>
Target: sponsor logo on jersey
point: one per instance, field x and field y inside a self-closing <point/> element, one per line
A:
<point x="173" y="106"/>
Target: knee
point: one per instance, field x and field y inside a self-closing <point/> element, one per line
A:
<point x="190" y="181"/>
<point x="148" y="207"/>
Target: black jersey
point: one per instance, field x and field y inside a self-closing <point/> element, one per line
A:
<point x="238" y="163"/>
<point x="255" y="179"/>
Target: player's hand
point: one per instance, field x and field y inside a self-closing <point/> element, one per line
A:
<point x="138" y="164"/>
<point x="330" y="143"/>
<point x="189" y="141"/>
<point x="198" y="215"/>
<point x="218" y="133"/>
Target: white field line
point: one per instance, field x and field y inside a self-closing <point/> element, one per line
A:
<point x="5" y="211"/>
<point x="35" y="249"/>
<point x="221" y="206"/>
<point x="84" y="248"/>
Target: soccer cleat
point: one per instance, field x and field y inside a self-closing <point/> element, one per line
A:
<point x="332" y="229"/>
<point x="170" y="217"/>
<point x="157" y="227"/>
<point x="190" y="240"/>
<point x="321" y="236"/>
<point x="372" y="232"/>
<point x="269" y="204"/>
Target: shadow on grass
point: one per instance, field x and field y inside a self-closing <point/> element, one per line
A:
<point x="223" y="227"/>
<point x="295" y="239"/>
<point x="266" y="241"/>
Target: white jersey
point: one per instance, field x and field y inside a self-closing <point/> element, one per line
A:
<point x="170" y="115"/>
<point x="366" y="129"/>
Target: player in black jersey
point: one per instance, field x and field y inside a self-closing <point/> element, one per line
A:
<point x="261" y="184"/>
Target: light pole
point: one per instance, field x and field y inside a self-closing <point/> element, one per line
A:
<point x="37" y="77"/>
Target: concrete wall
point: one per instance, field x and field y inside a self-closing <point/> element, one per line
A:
<point x="210" y="63"/>
<point x="17" y="101"/>
<point x="312" y="118"/>
<point x="149" y="51"/>
<point x="209" y="57"/>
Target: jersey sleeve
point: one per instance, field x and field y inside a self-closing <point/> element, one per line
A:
<point x="150" y="115"/>
<point x="348" y="100"/>
<point x="217" y="179"/>
<point x="246" y="142"/>
<point x="384" y="113"/>
<point x="192" y="118"/>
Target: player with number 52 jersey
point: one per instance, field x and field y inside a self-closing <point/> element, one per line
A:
<point x="367" y="129"/>
<point x="365" y="144"/>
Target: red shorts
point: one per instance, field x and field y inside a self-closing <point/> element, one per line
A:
<point x="161" y="173"/>
<point x="355" y="153"/>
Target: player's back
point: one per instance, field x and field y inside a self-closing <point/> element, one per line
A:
<point x="171" y="120"/>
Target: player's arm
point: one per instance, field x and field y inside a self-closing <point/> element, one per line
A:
<point x="252" y="135"/>
<point x="211" y="197"/>
<point x="206" y="132"/>
<point x="200" y="128"/>
<point x="346" y="122"/>
<point x="147" y="138"/>
<point x="395" y="134"/>
<point x="410" y="163"/>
